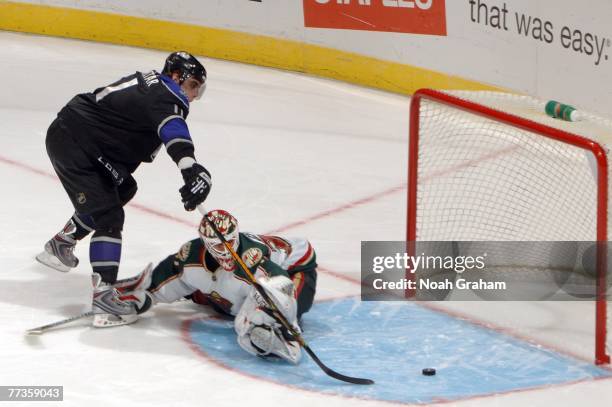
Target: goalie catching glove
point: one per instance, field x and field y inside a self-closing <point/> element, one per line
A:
<point x="258" y="332"/>
<point x="197" y="186"/>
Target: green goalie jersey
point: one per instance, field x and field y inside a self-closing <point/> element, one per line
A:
<point x="194" y="271"/>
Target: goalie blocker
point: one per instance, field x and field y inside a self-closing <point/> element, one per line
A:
<point x="204" y="271"/>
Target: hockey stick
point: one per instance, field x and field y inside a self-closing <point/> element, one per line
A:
<point x="42" y="329"/>
<point x="276" y="312"/>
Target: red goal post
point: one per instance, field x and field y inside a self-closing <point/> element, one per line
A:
<point x="445" y="127"/>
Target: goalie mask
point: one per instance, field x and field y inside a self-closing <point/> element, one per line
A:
<point x="227" y="225"/>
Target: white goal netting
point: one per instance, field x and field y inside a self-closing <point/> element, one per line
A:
<point x="492" y="176"/>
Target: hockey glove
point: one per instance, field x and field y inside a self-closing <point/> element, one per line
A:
<point x="197" y="186"/>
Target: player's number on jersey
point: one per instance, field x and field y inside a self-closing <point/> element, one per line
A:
<point x="110" y="89"/>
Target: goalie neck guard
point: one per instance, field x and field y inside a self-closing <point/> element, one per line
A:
<point x="227" y="225"/>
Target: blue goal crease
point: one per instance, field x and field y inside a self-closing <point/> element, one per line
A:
<point x="391" y="343"/>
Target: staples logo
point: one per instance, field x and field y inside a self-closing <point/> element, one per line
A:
<point x="404" y="16"/>
<point x="424" y="5"/>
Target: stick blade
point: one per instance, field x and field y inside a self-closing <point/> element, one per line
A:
<point x="34" y="332"/>
<point x="333" y="373"/>
<point x="348" y="379"/>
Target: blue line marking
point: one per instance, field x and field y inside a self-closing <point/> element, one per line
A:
<point x="391" y="343"/>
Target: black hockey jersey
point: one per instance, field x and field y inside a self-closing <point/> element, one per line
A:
<point x="127" y="121"/>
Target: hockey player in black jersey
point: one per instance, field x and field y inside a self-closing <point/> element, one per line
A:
<point x="96" y="142"/>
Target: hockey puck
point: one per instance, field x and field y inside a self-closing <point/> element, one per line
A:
<point x="429" y="371"/>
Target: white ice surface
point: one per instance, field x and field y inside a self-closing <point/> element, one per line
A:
<point x="307" y="156"/>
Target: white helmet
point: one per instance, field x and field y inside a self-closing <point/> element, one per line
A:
<point x="227" y="225"/>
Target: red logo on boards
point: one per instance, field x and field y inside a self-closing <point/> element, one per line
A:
<point x="403" y="16"/>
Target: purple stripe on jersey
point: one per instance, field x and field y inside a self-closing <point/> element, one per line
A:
<point x="174" y="88"/>
<point x="104" y="251"/>
<point x="173" y="129"/>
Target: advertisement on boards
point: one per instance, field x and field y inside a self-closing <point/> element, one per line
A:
<point x="402" y="16"/>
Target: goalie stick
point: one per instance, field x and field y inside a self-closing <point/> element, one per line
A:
<point x="44" y="328"/>
<point x="276" y="312"/>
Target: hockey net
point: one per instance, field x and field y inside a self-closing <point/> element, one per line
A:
<point x="488" y="166"/>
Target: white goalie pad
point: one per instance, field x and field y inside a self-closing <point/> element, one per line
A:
<point x="134" y="289"/>
<point x="258" y="333"/>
